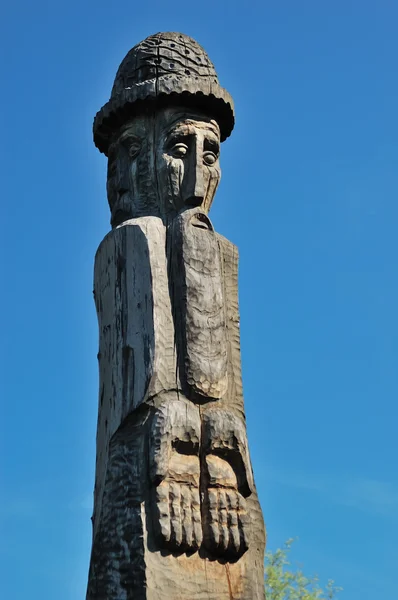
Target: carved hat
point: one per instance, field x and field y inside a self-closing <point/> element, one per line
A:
<point x="165" y="69"/>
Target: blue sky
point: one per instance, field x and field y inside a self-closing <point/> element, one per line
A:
<point x="309" y="194"/>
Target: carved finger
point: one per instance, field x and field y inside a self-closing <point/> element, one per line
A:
<point x="223" y="521"/>
<point x="243" y="520"/>
<point x="186" y="511"/>
<point x="196" y="517"/>
<point x="212" y="517"/>
<point x="175" y="516"/>
<point x="232" y="502"/>
<point x="162" y="503"/>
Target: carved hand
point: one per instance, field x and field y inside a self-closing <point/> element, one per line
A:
<point x="227" y="480"/>
<point x="175" y="473"/>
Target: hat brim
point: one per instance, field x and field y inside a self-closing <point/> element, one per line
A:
<point x="199" y="94"/>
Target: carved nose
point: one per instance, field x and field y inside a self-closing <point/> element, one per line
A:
<point x="195" y="191"/>
<point x="199" y="189"/>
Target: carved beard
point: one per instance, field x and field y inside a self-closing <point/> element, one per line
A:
<point x="196" y="289"/>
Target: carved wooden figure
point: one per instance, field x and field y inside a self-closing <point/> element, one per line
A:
<point x="176" y="514"/>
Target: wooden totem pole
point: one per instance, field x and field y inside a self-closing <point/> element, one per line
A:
<point x="176" y="513"/>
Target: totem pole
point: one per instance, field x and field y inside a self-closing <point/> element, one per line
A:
<point x="176" y="514"/>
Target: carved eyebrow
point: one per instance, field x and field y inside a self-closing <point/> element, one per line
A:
<point x="211" y="144"/>
<point x="128" y="139"/>
<point x="176" y="136"/>
<point x="214" y="130"/>
<point x="211" y="141"/>
<point x="177" y="132"/>
<point x="185" y="128"/>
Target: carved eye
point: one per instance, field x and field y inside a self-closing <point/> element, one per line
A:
<point x="111" y="168"/>
<point x="134" y="149"/>
<point x="201" y="221"/>
<point x="179" y="150"/>
<point x="131" y="143"/>
<point x="209" y="158"/>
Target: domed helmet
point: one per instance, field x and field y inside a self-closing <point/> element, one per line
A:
<point x="165" y="69"/>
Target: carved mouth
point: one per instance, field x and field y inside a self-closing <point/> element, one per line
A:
<point x="201" y="221"/>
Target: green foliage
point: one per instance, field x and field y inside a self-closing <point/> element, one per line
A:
<point x="282" y="583"/>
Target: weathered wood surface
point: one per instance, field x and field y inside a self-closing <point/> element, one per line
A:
<point x="176" y="513"/>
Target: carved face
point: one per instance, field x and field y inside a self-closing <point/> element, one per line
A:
<point x="161" y="163"/>
<point x="130" y="185"/>
<point x="187" y="160"/>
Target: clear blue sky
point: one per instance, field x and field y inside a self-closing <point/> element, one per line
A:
<point x="309" y="194"/>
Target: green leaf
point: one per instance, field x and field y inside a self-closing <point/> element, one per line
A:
<point x="282" y="583"/>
